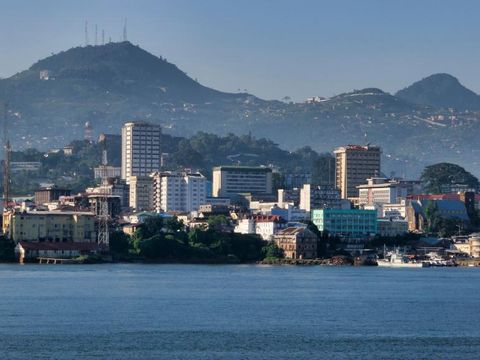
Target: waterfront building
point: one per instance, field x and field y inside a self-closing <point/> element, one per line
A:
<point x="141" y="149"/>
<point x="447" y="209"/>
<point x="297" y="243"/>
<point x="178" y="192"/>
<point x="229" y="181"/>
<point x="63" y="250"/>
<point x="49" y="194"/>
<point x="354" y="164"/>
<point x="141" y="193"/>
<point x="392" y="226"/>
<point x="319" y="197"/>
<point x="468" y="244"/>
<point x="49" y="226"/>
<point x="352" y="224"/>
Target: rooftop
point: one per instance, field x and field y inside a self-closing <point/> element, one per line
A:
<point x="242" y="168"/>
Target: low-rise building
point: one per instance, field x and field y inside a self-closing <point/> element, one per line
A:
<point x="31" y="251"/>
<point x="349" y="224"/>
<point x="469" y="245"/>
<point x="49" y="226"/>
<point x="297" y="243"/>
<point x="230" y="181"/>
<point x="319" y="197"/>
<point x="392" y="226"/>
<point x="268" y="225"/>
<point x="245" y="226"/>
<point x="108" y="171"/>
<point x="49" y="194"/>
<point x="379" y="190"/>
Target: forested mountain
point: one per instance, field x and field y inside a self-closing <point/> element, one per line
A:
<point x="110" y="84"/>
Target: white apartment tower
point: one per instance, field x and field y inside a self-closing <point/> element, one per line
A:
<point x="182" y="192"/>
<point x="141" y="149"/>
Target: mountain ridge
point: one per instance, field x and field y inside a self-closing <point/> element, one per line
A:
<point x="110" y="84"/>
<point x="440" y="90"/>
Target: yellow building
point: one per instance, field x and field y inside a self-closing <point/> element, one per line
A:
<point x="51" y="226"/>
<point x="354" y="164"/>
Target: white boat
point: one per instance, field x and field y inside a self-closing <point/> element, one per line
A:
<point x="398" y="260"/>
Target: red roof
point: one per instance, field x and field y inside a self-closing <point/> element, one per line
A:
<point x="269" y="218"/>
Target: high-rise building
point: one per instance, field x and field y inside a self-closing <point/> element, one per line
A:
<point x="354" y="164"/>
<point x="141" y="149"/>
<point x="141" y="193"/>
<point x="233" y="180"/>
<point x="182" y="192"/>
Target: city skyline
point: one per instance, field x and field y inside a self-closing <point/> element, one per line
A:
<point x="301" y="49"/>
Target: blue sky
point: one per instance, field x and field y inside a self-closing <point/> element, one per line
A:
<point x="272" y="48"/>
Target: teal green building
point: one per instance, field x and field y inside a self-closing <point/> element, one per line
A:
<point x="346" y="223"/>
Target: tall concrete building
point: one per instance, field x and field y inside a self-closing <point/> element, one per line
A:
<point x="182" y="192"/>
<point x="354" y="164"/>
<point x="141" y="149"/>
<point x="141" y="193"/>
<point x="232" y="180"/>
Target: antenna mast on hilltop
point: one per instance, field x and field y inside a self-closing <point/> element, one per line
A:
<point x="103" y="215"/>
<point x="96" y="35"/>
<point x="86" y="33"/>
<point x="6" y="160"/>
<point x="125" y="30"/>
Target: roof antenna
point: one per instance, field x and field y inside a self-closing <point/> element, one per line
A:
<point x="86" y="33"/>
<point x="125" y="30"/>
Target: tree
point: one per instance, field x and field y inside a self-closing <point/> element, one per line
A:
<point x="119" y="242"/>
<point x="432" y="213"/>
<point x="272" y="251"/>
<point x="7" y="249"/>
<point x="434" y="176"/>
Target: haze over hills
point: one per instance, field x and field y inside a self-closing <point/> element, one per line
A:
<point x="441" y="90"/>
<point x="110" y="84"/>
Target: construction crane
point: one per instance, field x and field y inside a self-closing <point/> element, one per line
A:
<point x="103" y="215"/>
<point x="6" y="160"/>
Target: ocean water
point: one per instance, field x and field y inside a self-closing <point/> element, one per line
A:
<point x="237" y="312"/>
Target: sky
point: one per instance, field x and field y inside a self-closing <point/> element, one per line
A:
<point x="271" y="48"/>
